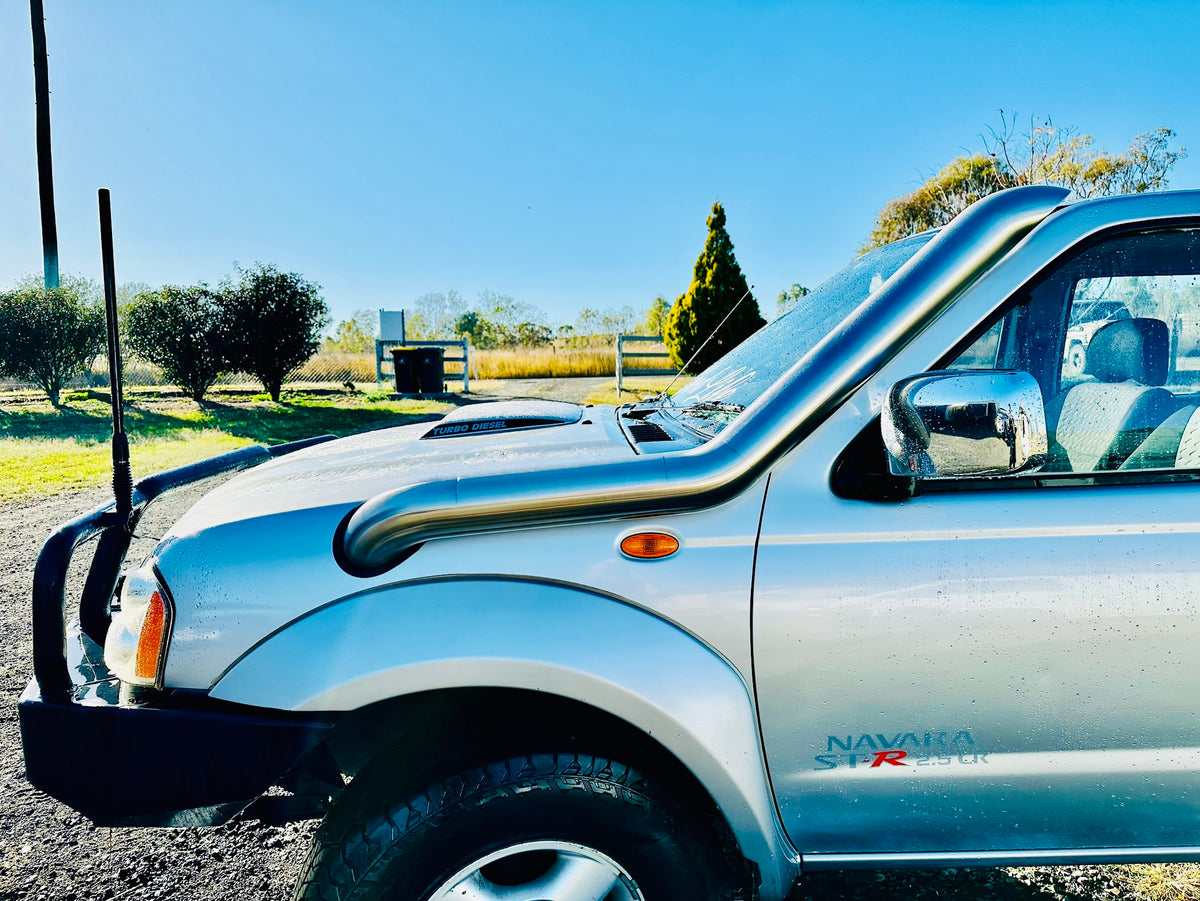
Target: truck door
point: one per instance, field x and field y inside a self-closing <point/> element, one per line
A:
<point x="1005" y="664"/>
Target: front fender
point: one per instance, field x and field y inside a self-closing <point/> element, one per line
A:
<point x="549" y="637"/>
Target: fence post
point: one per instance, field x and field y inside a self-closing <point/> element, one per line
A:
<point x="620" y="361"/>
<point x="466" y="368"/>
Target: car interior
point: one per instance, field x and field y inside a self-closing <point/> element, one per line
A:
<point x="1131" y="404"/>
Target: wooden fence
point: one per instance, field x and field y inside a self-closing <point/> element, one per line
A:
<point x="623" y="355"/>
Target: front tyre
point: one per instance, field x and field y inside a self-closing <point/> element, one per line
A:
<point x="558" y="827"/>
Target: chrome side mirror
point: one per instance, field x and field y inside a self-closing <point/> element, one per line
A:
<point x="965" y="423"/>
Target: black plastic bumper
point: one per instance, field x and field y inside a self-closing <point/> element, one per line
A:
<point x="180" y="761"/>
<point x="193" y="765"/>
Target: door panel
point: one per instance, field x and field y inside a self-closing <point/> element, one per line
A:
<point x="1003" y="670"/>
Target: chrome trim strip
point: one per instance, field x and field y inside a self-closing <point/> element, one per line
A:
<point x="819" y="862"/>
<point x="382" y="530"/>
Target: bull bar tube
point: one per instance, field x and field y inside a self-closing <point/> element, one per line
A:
<point x="225" y="755"/>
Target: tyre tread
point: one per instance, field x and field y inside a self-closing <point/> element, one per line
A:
<point x="355" y="847"/>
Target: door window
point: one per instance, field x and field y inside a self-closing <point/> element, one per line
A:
<point x="1113" y="339"/>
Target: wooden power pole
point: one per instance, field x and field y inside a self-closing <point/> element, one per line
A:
<point x="41" y="89"/>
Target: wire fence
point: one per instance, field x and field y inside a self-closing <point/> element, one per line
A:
<point x="359" y="369"/>
<point x="322" y="370"/>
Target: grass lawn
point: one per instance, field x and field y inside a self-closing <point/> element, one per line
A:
<point x="1162" y="881"/>
<point x="636" y="387"/>
<point x="44" y="451"/>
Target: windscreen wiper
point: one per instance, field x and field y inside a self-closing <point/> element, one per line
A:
<point x="714" y="407"/>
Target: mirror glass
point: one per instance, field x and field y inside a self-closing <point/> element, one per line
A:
<point x="965" y="423"/>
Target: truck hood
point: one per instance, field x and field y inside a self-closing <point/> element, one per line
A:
<point x="481" y="439"/>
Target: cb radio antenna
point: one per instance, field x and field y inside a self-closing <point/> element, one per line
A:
<point x="122" y="471"/>
<point x="703" y="344"/>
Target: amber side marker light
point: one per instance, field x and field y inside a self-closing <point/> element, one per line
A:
<point x="150" y="641"/>
<point x="649" y="545"/>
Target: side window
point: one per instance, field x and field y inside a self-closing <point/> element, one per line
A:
<point x="1113" y="338"/>
<point x="1174" y="300"/>
<point x="985" y="352"/>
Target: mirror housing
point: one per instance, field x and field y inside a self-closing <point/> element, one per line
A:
<point x="963" y="423"/>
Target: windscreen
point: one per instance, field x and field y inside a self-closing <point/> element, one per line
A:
<point x="732" y="383"/>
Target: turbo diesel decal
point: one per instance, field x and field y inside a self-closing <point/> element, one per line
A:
<point x="880" y="750"/>
<point x="454" y="428"/>
<point x="467" y="428"/>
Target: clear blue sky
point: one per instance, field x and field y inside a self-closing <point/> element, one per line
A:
<point x="564" y="153"/>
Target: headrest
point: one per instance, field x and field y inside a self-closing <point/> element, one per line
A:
<point x="1135" y="349"/>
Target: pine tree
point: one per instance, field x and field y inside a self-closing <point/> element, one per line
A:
<point x="717" y="285"/>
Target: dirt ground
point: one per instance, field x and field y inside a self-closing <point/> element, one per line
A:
<point x="570" y="390"/>
<point x="47" y="851"/>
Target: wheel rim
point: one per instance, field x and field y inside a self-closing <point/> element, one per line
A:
<point x="541" y="871"/>
<point x="1076" y="358"/>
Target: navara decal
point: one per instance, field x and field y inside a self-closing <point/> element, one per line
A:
<point x="881" y="750"/>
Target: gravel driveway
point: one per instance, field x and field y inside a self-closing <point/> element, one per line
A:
<point x="49" y="852"/>
<point x="572" y="390"/>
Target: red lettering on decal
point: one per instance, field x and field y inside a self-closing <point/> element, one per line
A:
<point x="895" y="758"/>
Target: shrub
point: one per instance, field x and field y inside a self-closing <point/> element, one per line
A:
<point x="275" y="321"/>
<point x="49" y="337"/>
<point x="185" y="331"/>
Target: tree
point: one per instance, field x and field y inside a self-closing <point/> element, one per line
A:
<point x="618" y="321"/>
<point x="533" y="334"/>
<point x="477" y="329"/>
<point x="498" y="320"/>
<point x="49" y="337"/>
<point x="717" y="286"/>
<point x="127" y="292"/>
<point x="355" y="335"/>
<point x="1043" y="154"/>
<point x="655" y="320"/>
<point x="587" y="323"/>
<point x="434" y="316"/>
<point x="789" y="298"/>
<point x="185" y="331"/>
<point x="91" y="294"/>
<point x="596" y="328"/>
<point x="275" y="319"/>
<point x="512" y="321"/>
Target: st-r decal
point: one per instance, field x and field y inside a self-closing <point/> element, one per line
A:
<point x="880" y="750"/>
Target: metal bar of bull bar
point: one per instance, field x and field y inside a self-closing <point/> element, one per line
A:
<point x="115" y="529"/>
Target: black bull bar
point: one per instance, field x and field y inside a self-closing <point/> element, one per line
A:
<point x="50" y="667"/>
<point x="221" y="756"/>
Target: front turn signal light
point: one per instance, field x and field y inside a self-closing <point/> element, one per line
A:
<point x="136" y="644"/>
<point x="649" y="545"/>
<point x="151" y="639"/>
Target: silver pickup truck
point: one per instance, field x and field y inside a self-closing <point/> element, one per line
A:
<point x="891" y="584"/>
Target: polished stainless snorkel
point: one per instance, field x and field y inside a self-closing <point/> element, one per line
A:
<point x="385" y="529"/>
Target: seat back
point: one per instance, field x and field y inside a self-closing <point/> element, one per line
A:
<point x="1188" y="455"/>
<point x="1173" y="445"/>
<point x="1098" y="424"/>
